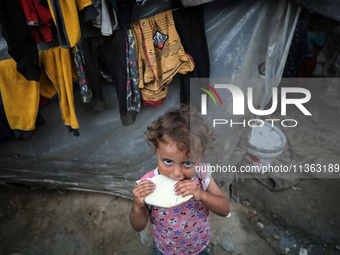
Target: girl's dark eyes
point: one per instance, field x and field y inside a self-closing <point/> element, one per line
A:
<point x="167" y="161"/>
<point x="187" y="164"/>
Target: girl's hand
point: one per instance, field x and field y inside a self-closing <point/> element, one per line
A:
<point x="141" y="190"/>
<point x="188" y="187"/>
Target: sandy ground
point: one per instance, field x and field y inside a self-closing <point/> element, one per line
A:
<point x="47" y="222"/>
<point x="301" y="219"/>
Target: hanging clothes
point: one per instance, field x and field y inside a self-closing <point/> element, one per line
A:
<point x="123" y="10"/>
<point x="297" y="50"/>
<point x="43" y="2"/>
<point x="107" y="19"/>
<point x="39" y="20"/>
<point x="85" y="91"/>
<point x="143" y="9"/>
<point x="6" y="132"/>
<point x="315" y="42"/>
<point x="21" y="97"/>
<point x="133" y="94"/>
<point x="160" y="56"/>
<point x="66" y="19"/>
<point x="21" y="44"/>
<point x="106" y="53"/>
<point x="190" y="26"/>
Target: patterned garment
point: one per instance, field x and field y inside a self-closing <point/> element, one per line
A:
<point x="297" y="50"/>
<point x="160" y="56"/>
<point x="133" y="95"/>
<point x="107" y="77"/>
<point x="184" y="229"/>
<point x="85" y="92"/>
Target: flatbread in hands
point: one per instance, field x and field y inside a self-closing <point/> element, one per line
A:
<point x="164" y="194"/>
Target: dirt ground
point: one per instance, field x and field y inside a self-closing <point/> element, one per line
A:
<point x="47" y="222"/>
<point x="301" y="219"/>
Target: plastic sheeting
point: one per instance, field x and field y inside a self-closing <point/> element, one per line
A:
<point x="328" y="65"/>
<point x="108" y="157"/>
<point x="241" y="37"/>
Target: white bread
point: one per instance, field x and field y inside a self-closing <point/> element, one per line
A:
<point x="164" y="194"/>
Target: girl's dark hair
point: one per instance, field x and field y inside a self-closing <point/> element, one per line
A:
<point x="174" y="126"/>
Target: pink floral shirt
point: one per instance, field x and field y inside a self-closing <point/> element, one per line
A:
<point x="183" y="229"/>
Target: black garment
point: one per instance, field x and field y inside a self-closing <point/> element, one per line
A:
<point x="88" y="13"/>
<point x="43" y="2"/>
<point x="297" y="51"/>
<point x="21" y="44"/>
<point x="123" y="10"/>
<point x="326" y="8"/>
<point x="142" y="9"/>
<point x="190" y="26"/>
<point x="6" y="132"/>
<point x="319" y="22"/>
<point x="107" y="53"/>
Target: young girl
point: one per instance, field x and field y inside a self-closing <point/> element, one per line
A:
<point x="183" y="229"/>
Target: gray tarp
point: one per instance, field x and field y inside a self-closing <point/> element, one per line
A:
<point x="248" y="34"/>
<point x="108" y="157"/>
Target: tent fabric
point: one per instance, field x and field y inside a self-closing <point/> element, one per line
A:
<point x="327" y="8"/>
<point x="263" y="34"/>
<point x="188" y="3"/>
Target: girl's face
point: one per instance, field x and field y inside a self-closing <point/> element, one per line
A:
<point x="174" y="163"/>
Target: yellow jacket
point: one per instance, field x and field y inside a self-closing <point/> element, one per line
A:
<point x="65" y="16"/>
<point x="21" y="97"/>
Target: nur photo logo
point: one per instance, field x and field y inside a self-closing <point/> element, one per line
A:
<point x="204" y="97"/>
<point x="239" y="100"/>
